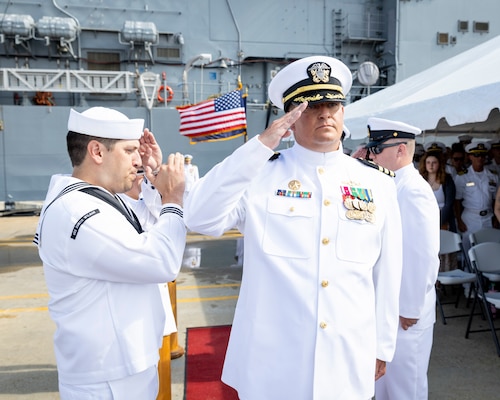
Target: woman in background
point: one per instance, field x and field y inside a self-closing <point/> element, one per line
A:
<point x="432" y="168"/>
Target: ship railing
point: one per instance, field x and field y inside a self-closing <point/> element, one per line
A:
<point x="73" y="81"/>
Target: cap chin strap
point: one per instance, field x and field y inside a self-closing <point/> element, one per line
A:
<point x="315" y="87"/>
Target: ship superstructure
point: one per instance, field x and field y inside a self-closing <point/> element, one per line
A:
<point x="146" y="57"/>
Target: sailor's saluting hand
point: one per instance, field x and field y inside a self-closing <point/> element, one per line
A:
<point x="280" y="128"/>
<point x="169" y="179"/>
<point x="149" y="150"/>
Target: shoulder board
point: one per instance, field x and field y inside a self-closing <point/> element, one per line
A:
<point x="376" y="166"/>
<point x="463" y="172"/>
<point x="275" y="156"/>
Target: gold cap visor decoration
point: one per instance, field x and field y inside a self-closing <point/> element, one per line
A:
<point x="315" y="79"/>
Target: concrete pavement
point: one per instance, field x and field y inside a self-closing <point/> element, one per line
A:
<point x="205" y="296"/>
<point x="465" y="369"/>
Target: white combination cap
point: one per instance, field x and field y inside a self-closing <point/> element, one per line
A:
<point x="464" y="138"/>
<point x="478" y="148"/>
<point x="435" y="147"/>
<point x="105" y="123"/>
<point x="494" y="143"/>
<point x="315" y="79"/>
<point x="380" y="130"/>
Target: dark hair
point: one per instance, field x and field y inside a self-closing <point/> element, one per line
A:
<point x="77" y="146"/>
<point x="457" y="148"/>
<point x="441" y="172"/>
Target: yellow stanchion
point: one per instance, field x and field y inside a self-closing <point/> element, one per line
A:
<point x="164" y="371"/>
<point x="176" y="351"/>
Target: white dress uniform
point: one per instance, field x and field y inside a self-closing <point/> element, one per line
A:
<point x="147" y="208"/>
<point x="406" y="375"/>
<point x="451" y="170"/>
<point x="494" y="167"/>
<point x="477" y="191"/>
<point x="319" y="296"/>
<point x="191" y="174"/>
<point x="103" y="277"/>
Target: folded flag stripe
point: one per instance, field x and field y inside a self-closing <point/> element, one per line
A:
<point x="217" y="137"/>
<point x="219" y="118"/>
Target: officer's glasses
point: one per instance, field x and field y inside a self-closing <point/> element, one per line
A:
<point x="380" y="147"/>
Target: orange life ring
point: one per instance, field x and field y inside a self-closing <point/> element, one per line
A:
<point x="170" y="92"/>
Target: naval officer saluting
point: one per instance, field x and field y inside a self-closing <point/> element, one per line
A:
<point x="316" y="317"/>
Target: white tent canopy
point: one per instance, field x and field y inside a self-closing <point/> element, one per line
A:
<point x="459" y="95"/>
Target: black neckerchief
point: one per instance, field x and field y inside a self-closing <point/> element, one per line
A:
<point x="114" y="202"/>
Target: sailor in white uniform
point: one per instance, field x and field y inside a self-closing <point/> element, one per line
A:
<point x="192" y="173"/>
<point x="476" y="192"/>
<point x="317" y="312"/>
<point x="494" y="164"/>
<point x="102" y="272"/>
<point x="391" y="145"/>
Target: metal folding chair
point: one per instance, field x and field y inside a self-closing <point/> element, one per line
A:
<point x="485" y="235"/>
<point x="485" y="260"/>
<point x="451" y="242"/>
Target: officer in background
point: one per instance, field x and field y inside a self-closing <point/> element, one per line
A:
<point x="497" y="205"/>
<point x="146" y="202"/>
<point x="191" y="173"/>
<point x="316" y="317"/>
<point x="494" y="166"/>
<point x="494" y="159"/>
<point x="102" y="271"/>
<point x="457" y="161"/>
<point x="476" y="192"/>
<point x="392" y="145"/>
<point x="465" y="140"/>
<point x="419" y="152"/>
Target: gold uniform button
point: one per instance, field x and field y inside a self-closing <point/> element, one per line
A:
<point x="292" y="209"/>
<point x="321" y="171"/>
<point x="325" y="241"/>
<point x="324" y="283"/>
<point x="322" y="325"/>
<point x="327" y="202"/>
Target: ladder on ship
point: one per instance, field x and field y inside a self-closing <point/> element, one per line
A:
<point x="68" y="81"/>
<point x="338" y="33"/>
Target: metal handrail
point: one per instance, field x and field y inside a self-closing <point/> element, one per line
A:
<point x="72" y="81"/>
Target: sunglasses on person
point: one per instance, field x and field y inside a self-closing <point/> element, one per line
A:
<point x="379" y="148"/>
<point x="479" y="155"/>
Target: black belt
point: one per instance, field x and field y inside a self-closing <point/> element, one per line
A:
<point x="484" y="213"/>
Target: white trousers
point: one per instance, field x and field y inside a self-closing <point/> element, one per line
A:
<point x="143" y="385"/>
<point x="406" y="374"/>
<point x="474" y="223"/>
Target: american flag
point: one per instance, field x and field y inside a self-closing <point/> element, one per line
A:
<point x="222" y="118"/>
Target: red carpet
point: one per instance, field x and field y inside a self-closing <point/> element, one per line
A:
<point x="206" y="348"/>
